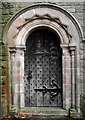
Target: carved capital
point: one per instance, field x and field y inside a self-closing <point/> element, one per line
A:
<point x="72" y="48"/>
<point x="21" y="47"/>
<point x="12" y="50"/>
<point x="65" y="49"/>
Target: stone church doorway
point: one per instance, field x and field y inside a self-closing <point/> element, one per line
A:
<point x="43" y="69"/>
<point x="44" y="64"/>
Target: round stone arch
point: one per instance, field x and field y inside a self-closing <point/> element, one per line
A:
<point x="24" y="34"/>
<point x="59" y="21"/>
<point x="48" y="5"/>
<point x="30" y="27"/>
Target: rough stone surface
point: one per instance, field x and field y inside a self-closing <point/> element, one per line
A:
<point x="10" y="8"/>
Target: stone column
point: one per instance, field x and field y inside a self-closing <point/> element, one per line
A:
<point x="66" y="73"/>
<point x="17" y="68"/>
<point x="11" y="63"/>
<point x="72" y="50"/>
<point x="74" y="111"/>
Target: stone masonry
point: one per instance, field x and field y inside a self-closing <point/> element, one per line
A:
<point x="77" y="9"/>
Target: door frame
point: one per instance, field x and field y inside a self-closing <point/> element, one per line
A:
<point x="66" y="69"/>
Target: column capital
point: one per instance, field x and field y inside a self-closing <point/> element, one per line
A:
<point x="21" y="47"/>
<point x="72" y="48"/>
<point x="64" y="46"/>
<point x="65" y="49"/>
<point x="13" y="49"/>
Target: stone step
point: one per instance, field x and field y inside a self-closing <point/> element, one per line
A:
<point x="52" y="118"/>
<point x="45" y="117"/>
<point x="45" y="111"/>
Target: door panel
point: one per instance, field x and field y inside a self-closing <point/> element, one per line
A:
<point x="43" y="70"/>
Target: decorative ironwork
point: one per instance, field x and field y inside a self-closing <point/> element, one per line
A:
<point x="54" y="91"/>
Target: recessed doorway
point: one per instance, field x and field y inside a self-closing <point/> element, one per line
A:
<point x="43" y="69"/>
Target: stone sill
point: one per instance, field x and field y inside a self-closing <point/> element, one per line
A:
<point x="44" y="111"/>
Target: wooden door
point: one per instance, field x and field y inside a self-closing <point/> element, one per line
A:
<point x="43" y="70"/>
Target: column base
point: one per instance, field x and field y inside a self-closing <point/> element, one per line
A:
<point x="73" y="113"/>
<point x="13" y="110"/>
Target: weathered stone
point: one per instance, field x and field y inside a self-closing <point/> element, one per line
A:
<point x="81" y="52"/>
<point x="70" y="8"/>
<point x="81" y="22"/>
<point x="76" y="8"/>
<point x="13" y="110"/>
<point x="74" y="113"/>
<point x="7" y="5"/>
<point x="4" y="110"/>
<point x="4" y="72"/>
<point x="5" y="12"/>
<point x="79" y="9"/>
<point x="79" y="16"/>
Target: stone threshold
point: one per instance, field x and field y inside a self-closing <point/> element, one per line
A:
<point x="44" y="111"/>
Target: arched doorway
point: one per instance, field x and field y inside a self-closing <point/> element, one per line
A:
<point x="43" y="70"/>
<point x="70" y="35"/>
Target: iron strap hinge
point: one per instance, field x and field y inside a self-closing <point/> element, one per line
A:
<point x="54" y="91"/>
